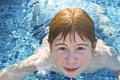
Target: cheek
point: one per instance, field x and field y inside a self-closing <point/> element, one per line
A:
<point x="58" y="59"/>
<point x="85" y="58"/>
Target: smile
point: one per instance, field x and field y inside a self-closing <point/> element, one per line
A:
<point x="71" y="69"/>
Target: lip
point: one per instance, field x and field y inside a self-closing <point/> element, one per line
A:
<point x="71" y="69"/>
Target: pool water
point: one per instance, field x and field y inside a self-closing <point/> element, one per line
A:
<point x="22" y="33"/>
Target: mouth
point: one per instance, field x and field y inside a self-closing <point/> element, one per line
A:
<point x="71" y="69"/>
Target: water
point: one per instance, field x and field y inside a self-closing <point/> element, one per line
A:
<point x="19" y="37"/>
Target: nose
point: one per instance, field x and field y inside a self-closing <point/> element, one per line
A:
<point x="71" y="58"/>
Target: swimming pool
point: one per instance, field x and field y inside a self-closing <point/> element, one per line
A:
<point x="18" y="39"/>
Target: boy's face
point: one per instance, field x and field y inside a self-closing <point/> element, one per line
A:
<point x="71" y="56"/>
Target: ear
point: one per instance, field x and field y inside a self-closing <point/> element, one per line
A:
<point x="94" y="43"/>
<point x="50" y="46"/>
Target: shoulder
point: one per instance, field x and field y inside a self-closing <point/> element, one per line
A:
<point x="102" y="48"/>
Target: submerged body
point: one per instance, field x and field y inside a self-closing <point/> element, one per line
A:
<point x="34" y="62"/>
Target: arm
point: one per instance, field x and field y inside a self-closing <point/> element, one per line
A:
<point x="15" y="71"/>
<point x="20" y="70"/>
<point x="113" y="62"/>
<point x="104" y="57"/>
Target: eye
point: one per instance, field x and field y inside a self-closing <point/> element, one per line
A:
<point x="80" y="48"/>
<point x="62" y="48"/>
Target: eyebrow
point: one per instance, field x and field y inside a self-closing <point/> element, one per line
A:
<point x="75" y="45"/>
<point x="60" y="44"/>
<point x="82" y="44"/>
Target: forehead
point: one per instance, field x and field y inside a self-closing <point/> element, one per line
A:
<point x="71" y="38"/>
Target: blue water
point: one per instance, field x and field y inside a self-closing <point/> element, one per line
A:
<point x="19" y="36"/>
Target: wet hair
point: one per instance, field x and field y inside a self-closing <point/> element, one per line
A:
<point x="71" y="21"/>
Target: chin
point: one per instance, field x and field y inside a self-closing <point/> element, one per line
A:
<point x="71" y="75"/>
